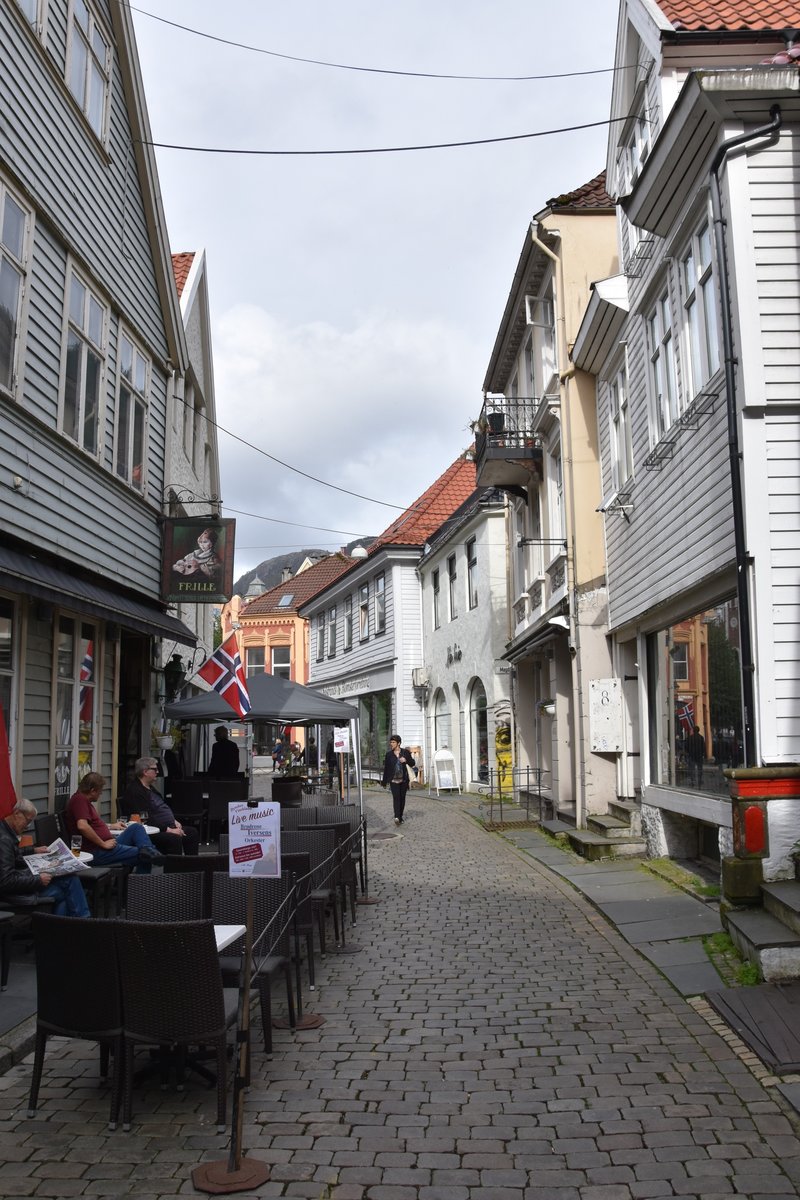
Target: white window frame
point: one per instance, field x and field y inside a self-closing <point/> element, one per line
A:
<point x="471" y="555"/>
<point x="89" y="59"/>
<point x="281" y="670"/>
<point x="555" y="496"/>
<point x="137" y="391"/>
<point x="619" y="418"/>
<point x="701" y="324"/>
<point x="379" y="603"/>
<point x="436" y="599"/>
<point x="320" y="636"/>
<point x="75" y="742"/>
<point x="331" y="632"/>
<point x="251" y="655"/>
<point x="347" y="629"/>
<point x="452" y="586"/>
<point x="363" y="612"/>
<point x="9" y="614"/>
<point x="663" y="376"/>
<point x="81" y="329"/>
<point x="25" y="6"/>
<point x="14" y="261"/>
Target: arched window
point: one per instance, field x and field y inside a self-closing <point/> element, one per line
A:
<point x="479" y="732"/>
<point x="441" y="722"/>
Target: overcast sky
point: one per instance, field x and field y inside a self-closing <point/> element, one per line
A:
<point x="355" y="299"/>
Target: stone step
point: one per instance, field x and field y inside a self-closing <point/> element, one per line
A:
<point x="627" y="810"/>
<point x="765" y="941"/>
<point x="609" y="826"/>
<point x="782" y="900"/>
<point x="556" y="828"/>
<point x="594" y="845"/>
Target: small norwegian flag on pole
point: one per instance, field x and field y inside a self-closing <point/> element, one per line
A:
<point x="224" y="671"/>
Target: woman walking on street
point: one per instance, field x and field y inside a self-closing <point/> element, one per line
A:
<point x="395" y="773"/>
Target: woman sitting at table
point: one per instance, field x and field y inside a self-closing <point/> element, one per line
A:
<point x="141" y="797"/>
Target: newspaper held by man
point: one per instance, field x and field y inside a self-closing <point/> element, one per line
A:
<point x="57" y="859"/>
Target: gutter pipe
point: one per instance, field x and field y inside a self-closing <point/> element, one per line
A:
<point x="770" y="130"/>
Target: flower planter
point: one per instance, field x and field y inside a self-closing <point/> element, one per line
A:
<point x="496" y="422"/>
<point x="165" y="743"/>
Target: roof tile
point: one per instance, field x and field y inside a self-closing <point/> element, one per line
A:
<point x="591" y="195"/>
<point x="731" y="15"/>
<point x="434" y="506"/>
<point x="181" y="266"/>
<point x="300" y="587"/>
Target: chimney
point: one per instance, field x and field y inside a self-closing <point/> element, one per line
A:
<point x="286" y="574"/>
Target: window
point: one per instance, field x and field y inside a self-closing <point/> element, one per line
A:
<point x="332" y="632"/>
<point x="698" y="295"/>
<point x="363" y="612"/>
<point x="6" y="659"/>
<point x="14" y="233"/>
<point x="660" y="346"/>
<point x="479" y="733"/>
<point x="84" y="367"/>
<point x="380" y="603"/>
<point x="347" y="627"/>
<point x="437" y="614"/>
<point x="555" y="493"/>
<point x="635" y="150"/>
<point x="286" y="600"/>
<point x="694" y="701"/>
<point x="320" y="636"/>
<point x="89" y="59"/>
<point x="254" y="660"/>
<point x="452" y="581"/>
<point x="622" y="454"/>
<point x="131" y="415"/>
<point x="282" y="661"/>
<point x="188" y="420"/>
<point x="76" y="723"/>
<point x="540" y="312"/>
<point x="30" y="9"/>
<point x="472" y="573"/>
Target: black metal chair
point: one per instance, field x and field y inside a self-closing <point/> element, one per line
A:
<point x="298" y="867"/>
<point x="320" y="845"/>
<point x="6" y="919"/>
<point x="221" y="793"/>
<point x="172" y="985"/>
<point x="96" y="881"/>
<point x="168" y="897"/>
<point x="347" y="868"/>
<point x="78" y="994"/>
<point x="189" y="803"/>
<point x="207" y="864"/>
<point x="272" y="923"/>
<point x="350" y="813"/>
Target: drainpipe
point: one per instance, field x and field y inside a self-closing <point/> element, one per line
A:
<point x="770" y="130"/>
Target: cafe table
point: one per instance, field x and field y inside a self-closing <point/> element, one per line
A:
<point x="225" y="935"/>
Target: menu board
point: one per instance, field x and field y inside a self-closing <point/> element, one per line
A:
<point x="255" y="839"/>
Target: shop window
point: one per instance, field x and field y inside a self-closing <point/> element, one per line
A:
<point x="75" y="706"/>
<point x="694" y="700"/>
<point x="479" y="733"/>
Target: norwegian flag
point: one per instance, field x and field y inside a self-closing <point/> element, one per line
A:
<point x="8" y="797"/>
<point x="224" y="671"/>
<point x="86" y="674"/>
<point x="684" y="711"/>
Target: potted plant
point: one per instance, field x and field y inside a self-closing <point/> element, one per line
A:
<point x="165" y="737"/>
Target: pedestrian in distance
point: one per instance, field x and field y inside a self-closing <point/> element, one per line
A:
<point x="696" y="756"/>
<point x="330" y="760"/>
<point x="395" y="774"/>
<point x="224" y="762"/>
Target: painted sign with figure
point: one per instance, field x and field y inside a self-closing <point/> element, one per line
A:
<point x="255" y="839"/>
<point x="197" y="560"/>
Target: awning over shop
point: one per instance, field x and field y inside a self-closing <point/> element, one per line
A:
<point x="30" y="576"/>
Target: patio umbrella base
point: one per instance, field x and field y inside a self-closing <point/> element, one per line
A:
<point x="350" y="948"/>
<point x="217" y="1180"/>
<point x="367" y="900"/>
<point x="308" y="1021"/>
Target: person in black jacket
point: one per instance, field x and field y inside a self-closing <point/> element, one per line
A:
<point x="19" y="885"/>
<point x="224" y="762"/>
<point x="141" y="796"/>
<point x="395" y="773"/>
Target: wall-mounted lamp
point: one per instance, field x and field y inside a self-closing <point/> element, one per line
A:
<point x="174" y="677"/>
<point x="620" y="503"/>
<point x="559" y="621"/>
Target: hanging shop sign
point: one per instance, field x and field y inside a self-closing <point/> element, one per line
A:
<point x="197" y="560"/>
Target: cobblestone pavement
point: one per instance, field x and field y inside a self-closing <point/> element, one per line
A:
<point x="494" y="1039"/>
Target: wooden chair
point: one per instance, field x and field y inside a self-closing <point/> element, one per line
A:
<point x="172" y="985"/>
<point x="272" y="923"/>
<point x="78" y="994"/>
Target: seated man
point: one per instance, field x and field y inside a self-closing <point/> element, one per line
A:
<point x="140" y="796"/>
<point x="19" y="885"/>
<point x="132" y="848"/>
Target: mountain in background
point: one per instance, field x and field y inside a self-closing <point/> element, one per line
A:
<point x="271" y="569"/>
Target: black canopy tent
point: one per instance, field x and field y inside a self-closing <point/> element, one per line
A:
<point x="279" y="700"/>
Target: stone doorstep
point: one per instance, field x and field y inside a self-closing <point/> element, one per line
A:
<point x="765" y="941"/>
<point x="609" y="826"/>
<point x="594" y="845"/>
<point x="782" y="900"/>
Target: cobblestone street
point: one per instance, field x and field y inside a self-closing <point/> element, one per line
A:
<point x="494" y="1037"/>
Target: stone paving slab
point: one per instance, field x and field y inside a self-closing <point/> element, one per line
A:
<point x="494" y="1039"/>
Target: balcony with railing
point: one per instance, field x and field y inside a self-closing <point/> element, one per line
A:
<point x="506" y="451"/>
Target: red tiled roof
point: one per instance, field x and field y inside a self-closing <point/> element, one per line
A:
<point x="433" y="507"/>
<point x="730" y="15"/>
<point x="181" y="266"/>
<point x="591" y="195"/>
<point x="301" y="588"/>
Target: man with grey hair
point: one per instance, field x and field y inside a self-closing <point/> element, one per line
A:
<point x="142" y="796"/>
<point x="19" y="885"/>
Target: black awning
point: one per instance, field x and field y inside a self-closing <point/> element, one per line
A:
<point x="36" y="577"/>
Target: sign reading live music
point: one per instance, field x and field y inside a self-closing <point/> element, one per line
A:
<point x="254" y="847"/>
<point x="197" y="560"/>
